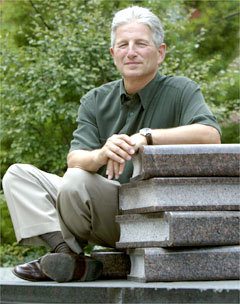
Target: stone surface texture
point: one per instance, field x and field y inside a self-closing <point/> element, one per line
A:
<point x="180" y="194"/>
<point x="169" y="229"/>
<point x="116" y="291"/>
<point x="116" y="265"/>
<point x="158" y="264"/>
<point x="187" y="160"/>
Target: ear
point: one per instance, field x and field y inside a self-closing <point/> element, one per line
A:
<point x="111" y="51"/>
<point x="161" y="53"/>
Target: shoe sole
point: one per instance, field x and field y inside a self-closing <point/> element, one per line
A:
<point x="60" y="267"/>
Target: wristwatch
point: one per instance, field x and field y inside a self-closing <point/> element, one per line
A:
<point x="147" y="132"/>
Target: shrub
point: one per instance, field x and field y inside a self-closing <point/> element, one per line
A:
<point x="54" y="51"/>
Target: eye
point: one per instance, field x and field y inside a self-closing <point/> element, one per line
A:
<point x="122" y="45"/>
<point x="142" y="44"/>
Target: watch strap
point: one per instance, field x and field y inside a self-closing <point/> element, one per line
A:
<point x="149" y="138"/>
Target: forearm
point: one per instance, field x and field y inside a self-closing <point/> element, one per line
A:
<point x="190" y="134"/>
<point x="83" y="159"/>
<point x="118" y="148"/>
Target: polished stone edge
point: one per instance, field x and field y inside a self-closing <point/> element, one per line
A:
<point x="180" y="194"/>
<point x="186" y="160"/>
<point x="185" y="180"/>
<point x="152" y="209"/>
<point x="184" y="264"/>
<point x="121" y="291"/>
<point x="191" y="149"/>
<point x="175" y="229"/>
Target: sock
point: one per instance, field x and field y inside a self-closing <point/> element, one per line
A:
<point x="56" y="242"/>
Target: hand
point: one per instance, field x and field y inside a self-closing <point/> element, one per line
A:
<point x="116" y="151"/>
<point x="139" y="141"/>
<point x="115" y="168"/>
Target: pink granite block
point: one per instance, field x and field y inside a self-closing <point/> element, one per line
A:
<point x="180" y="194"/>
<point x="171" y="229"/>
<point x="158" y="264"/>
<point x="187" y="160"/>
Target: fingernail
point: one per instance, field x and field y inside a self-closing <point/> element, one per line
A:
<point x="132" y="151"/>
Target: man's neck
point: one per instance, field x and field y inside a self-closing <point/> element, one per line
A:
<point x="134" y="85"/>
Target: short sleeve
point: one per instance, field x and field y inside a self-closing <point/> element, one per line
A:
<point x="86" y="136"/>
<point x="194" y="108"/>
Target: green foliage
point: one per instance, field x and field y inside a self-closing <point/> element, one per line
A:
<point x="6" y="228"/>
<point x="54" y="51"/>
<point x="14" y="254"/>
<point x="65" y="54"/>
<point x="43" y="83"/>
<point x="16" y="23"/>
<point x="220" y="20"/>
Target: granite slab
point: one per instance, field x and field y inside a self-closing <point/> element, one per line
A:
<point x="187" y="160"/>
<point x="159" y="264"/>
<point x="116" y="264"/>
<point x="171" y="229"/>
<point x="118" y="291"/>
<point x="180" y="194"/>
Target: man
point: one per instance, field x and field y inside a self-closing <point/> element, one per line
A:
<point x="67" y="213"/>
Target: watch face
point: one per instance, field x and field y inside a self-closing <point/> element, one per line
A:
<point x="148" y="134"/>
<point x="145" y="131"/>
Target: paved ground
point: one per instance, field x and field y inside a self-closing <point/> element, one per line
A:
<point x="6" y="275"/>
<point x="15" y="290"/>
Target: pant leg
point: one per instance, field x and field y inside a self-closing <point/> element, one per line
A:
<point x="87" y="205"/>
<point x="31" y="198"/>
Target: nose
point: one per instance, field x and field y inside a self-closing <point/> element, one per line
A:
<point x="131" y="51"/>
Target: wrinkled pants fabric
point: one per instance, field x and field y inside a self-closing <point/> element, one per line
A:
<point x="81" y="204"/>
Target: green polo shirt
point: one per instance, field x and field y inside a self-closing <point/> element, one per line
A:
<point x="165" y="102"/>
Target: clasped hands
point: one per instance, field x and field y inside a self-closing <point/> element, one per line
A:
<point x="118" y="149"/>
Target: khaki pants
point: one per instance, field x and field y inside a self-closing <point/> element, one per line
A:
<point x="81" y="204"/>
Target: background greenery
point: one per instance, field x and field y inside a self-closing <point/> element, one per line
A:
<point x="54" y="51"/>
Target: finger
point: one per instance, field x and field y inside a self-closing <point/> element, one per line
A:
<point x="120" y="148"/>
<point x="128" y="139"/>
<point x="121" y="168"/>
<point x="109" y="171"/>
<point x="116" y="169"/>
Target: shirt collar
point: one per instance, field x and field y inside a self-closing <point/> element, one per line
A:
<point x="146" y="94"/>
<point x="123" y="94"/>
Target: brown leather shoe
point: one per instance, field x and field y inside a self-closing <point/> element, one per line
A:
<point x="65" y="267"/>
<point x="30" y="271"/>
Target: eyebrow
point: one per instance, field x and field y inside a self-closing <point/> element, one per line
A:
<point x="137" y="40"/>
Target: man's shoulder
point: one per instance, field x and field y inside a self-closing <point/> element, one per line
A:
<point x="105" y="88"/>
<point x="177" y="82"/>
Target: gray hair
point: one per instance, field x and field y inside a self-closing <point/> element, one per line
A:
<point x="142" y="15"/>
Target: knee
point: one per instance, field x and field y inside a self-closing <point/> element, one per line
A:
<point x="75" y="180"/>
<point x="73" y="188"/>
<point x="13" y="173"/>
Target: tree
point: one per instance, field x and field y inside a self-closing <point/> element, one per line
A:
<point x="54" y="51"/>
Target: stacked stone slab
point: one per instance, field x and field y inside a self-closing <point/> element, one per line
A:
<point x="180" y="213"/>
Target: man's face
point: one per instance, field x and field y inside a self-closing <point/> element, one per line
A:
<point x="135" y="54"/>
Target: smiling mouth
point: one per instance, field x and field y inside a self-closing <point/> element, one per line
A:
<point x="132" y="63"/>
